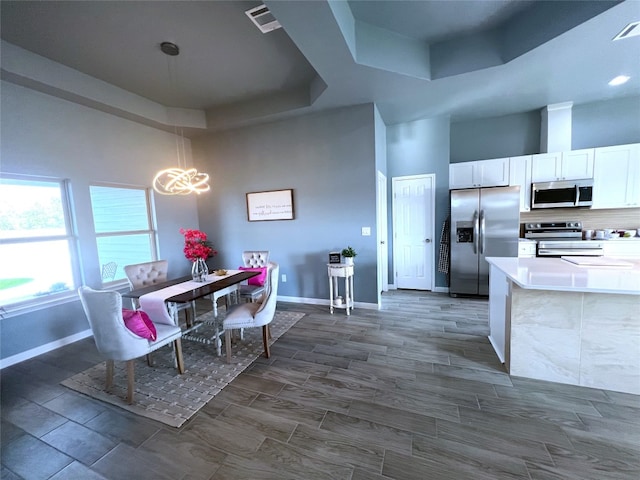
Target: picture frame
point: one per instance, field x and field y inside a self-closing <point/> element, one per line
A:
<point x="334" y="257"/>
<point x="270" y="205"/>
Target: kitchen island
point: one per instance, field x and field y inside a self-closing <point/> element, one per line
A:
<point x="553" y="320"/>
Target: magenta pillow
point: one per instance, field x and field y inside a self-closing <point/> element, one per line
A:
<point x="258" y="280"/>
<point x="139" y="323"/>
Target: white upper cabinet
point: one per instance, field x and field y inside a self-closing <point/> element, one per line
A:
<point x="520" y="175"/>
<point x="573" y="165"/>
<point x="616" y="182"/>
<point x="483" y="173"/>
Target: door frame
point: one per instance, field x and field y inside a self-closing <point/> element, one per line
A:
<point x="383" y="235"/>
<point x="432" y="201"/>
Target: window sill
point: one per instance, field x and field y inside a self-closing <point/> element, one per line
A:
<point x="17" y="309"/>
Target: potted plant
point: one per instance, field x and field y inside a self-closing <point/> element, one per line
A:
<point x="348" y="254"/>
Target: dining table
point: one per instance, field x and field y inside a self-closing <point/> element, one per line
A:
<point x="160" y="299"/>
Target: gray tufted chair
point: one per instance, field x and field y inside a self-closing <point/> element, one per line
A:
<point x="254" y="258"/>
<point x="149" y="273"/>
<point x="248" y="315"/>
<point x="146" y="274"/>
<point x="115" y="341"/>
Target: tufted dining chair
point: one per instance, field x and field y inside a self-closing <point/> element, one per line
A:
<point x="255" y="314"/>
<point x="254" y="259"/>
<point x="149" y="273"/>
<point x="115" y="341"/>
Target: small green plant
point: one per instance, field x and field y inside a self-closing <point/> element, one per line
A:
<point x="348" y="252"/>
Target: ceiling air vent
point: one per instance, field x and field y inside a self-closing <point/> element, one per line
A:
<point x="631" y="30"/>
<point x="263" y="18"/>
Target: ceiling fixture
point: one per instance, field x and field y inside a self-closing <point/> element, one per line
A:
<point x="630" y="30"/>
<point x="262" y="17"/>
<point x="178" y="180"/>
<point x="619" y="80"/>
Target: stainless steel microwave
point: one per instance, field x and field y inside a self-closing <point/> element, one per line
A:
<point x="568" y="193"/>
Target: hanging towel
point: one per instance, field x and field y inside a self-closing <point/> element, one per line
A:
<point x="443" y="260"/>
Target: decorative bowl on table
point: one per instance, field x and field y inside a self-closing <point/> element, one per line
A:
<point x="219" y="273"/>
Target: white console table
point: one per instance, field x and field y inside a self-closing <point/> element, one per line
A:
<point x="341" y="270"/>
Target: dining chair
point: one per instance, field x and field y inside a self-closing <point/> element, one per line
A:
<point x="254" y="314"/>
<point x="250" y="291"/>
<point x="115" y="341"/>
<point x="109" y="271"/>
<point x="149" y="273"/>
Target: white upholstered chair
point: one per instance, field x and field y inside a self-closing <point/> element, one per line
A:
<point x="149" y="273"/>
<point x="254" y="314"/>
<point x="254" y="258"/>
<point x="115" y="341"/>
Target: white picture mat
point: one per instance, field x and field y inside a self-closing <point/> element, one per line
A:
<point x="271" y="205"/>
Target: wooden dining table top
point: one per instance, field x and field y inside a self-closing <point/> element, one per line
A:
<point x="191" y="295"/>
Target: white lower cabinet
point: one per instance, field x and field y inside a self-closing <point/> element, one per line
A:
<point x="616" y="177"/>
<point x="629" y="248"/>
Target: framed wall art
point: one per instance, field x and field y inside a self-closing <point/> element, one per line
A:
<point x="271" y="205"/>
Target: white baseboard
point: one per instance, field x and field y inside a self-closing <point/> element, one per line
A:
<point x="435" y="289"/>
<point x="321" y="301"/>
<point x="34" y="352"/>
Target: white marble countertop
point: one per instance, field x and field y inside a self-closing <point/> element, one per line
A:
<point x="556" y="274"/>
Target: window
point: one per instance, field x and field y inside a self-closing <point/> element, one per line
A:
<point x="124" y="229"/>
<point x="37" y="246"/>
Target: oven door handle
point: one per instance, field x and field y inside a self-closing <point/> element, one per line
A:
<point x="548" y="252"/>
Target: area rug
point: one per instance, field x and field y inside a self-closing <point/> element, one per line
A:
<point x="168" y="397"/>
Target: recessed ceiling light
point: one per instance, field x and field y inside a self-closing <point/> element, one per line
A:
<point x="619" y="80"/>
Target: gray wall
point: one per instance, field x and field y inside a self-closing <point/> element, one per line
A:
<point x="506" y="136"/>
<point x="43" y="135"/>
<point x="600" y="124"/>
<point x="597" y="124"/>
<point x="421" y="147"/>
<point x="329" y="161"/>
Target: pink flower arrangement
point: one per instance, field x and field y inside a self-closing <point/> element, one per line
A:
<point x="196" y="245"/>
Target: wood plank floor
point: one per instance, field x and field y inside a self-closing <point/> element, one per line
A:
<point x="413" y="391"/>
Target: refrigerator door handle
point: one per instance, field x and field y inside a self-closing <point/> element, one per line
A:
<point x="481" y="239"/>
<point x="475" y="231"/>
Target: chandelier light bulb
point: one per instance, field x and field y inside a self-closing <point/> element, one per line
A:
<point x="176" y="181"/>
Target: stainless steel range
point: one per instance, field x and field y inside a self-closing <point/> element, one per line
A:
<point x="556" y="239"/>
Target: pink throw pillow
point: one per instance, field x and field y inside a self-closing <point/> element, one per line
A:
<point x="139" y="323"/>
<point x="258" y="280"/>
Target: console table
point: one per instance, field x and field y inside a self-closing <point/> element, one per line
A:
<point x="341" y="270"/>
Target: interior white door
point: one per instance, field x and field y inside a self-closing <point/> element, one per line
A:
<point x="383" y="248"/>
<point x="413" y="226"/>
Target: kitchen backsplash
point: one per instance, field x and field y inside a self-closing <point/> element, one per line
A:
<point x="621" y="218"/>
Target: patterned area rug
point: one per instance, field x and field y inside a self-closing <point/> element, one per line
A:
<point x="164" y="395"/>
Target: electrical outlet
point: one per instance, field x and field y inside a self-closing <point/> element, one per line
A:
<point x="366" y="231"/>
<point x="284" y="278"/>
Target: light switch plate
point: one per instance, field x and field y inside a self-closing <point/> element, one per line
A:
<point x="366" y="231"/>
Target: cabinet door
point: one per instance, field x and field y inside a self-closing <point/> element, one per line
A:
<point x="616" y="177"/>
<point x="577" y="164"/>
<point x="546" y="167"/>
<point x="461" y="175"/>
<point x="493" y="173"/>
<point x="520" y="175"/>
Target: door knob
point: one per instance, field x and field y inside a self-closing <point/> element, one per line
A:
<point x="427" y="240"/>
<point x="382" y="242"/>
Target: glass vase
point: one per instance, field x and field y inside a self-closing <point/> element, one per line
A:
<point x="199" y="270"/>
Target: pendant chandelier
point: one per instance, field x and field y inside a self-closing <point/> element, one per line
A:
<point x="179" y="180"/>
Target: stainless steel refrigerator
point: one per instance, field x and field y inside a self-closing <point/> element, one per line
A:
<point x="485" y="222"/>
